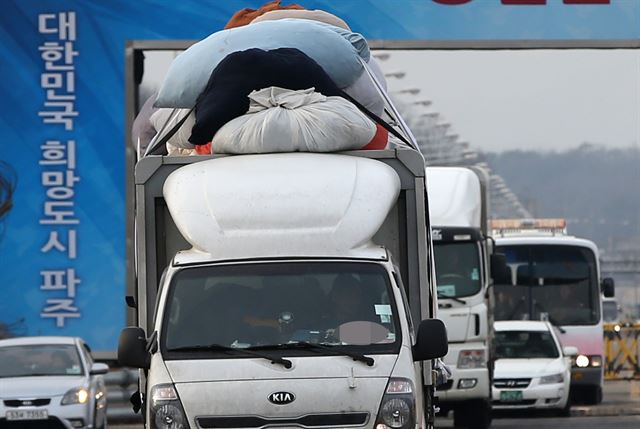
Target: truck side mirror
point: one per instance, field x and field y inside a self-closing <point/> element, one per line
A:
<point x="608" y="287"/>
<point x="132" y="348"/>
<point x="432" y="340"/>
<point x="500" y="272"/>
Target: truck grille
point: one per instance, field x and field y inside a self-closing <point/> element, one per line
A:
<point x="511" y="383"/>
<point x="26" y="402"/>
<point x="308" y="421"/>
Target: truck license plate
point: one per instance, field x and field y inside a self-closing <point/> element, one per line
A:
<point x="511" y="396"/>
<point x="27" y="415"/>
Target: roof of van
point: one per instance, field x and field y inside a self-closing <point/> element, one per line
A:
<point x="291" y="204"/>
<point x="454" y="197"/>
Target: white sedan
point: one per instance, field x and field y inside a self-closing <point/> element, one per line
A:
<point x="51" y="382"/>
<point x="532" y="370"/>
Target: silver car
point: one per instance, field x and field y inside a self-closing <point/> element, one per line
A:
<point x="51" y="382"/>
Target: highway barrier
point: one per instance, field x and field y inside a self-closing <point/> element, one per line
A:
<point x="621" y="351"/>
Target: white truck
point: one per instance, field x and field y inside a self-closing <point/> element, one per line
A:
<point x="458" y="200"/>
<point x="556" y="277"/>
<point x="279" y="290"/>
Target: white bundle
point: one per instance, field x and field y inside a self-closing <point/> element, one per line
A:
<point x="181" y="138"/>
<point x="283" y="120"/>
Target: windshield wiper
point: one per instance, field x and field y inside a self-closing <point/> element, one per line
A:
<point x="220" y="348"/>
<point x="304" y="345"/>
<point x="453" y="298"/>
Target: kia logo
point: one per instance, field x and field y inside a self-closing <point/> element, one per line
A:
<point x="282" y="398"/>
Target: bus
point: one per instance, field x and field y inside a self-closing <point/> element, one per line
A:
<point x="556" y="277"/>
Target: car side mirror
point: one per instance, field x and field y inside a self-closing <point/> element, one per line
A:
<point x="570" y="351"/>
<point x="500" y="272"/>
<point x="99" y="369"/>
<point x="132" y="348"/>
<point x="432" y="340"/>
<point x="608" y="287"/>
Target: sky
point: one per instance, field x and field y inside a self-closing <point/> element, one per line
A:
<point x="534" y="99"/>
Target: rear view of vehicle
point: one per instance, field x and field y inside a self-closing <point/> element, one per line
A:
<point x="532" y="370"/>
<point x="50" y="382"/>
<point x="556" y="277"/>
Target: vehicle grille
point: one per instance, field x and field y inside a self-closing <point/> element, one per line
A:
<point x="26" y="402"/>
<point x="308" y="421"/>
<point x="516" y="404"/>
<point x="511" y="383"/>
<point x="51" y="423"/>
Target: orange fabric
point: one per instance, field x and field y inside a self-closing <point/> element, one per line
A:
<point x="204" y="149"/>
<point x="379" y="140"/>
<point x="246" y="15"/>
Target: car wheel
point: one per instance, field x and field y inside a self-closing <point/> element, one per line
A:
<point x="104" y="421"/>
<point x="566" y="410"/>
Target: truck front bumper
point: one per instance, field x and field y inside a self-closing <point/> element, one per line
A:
<point x="465" y="384"/>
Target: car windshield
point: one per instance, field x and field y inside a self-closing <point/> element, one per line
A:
<point x="457" y="269"/>
<point x="557" y="283"/>
<point x="258" y="305"/>
<point x="525" y="345"/>
<point x="40" y="360"/>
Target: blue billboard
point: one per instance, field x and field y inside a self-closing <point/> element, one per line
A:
<point x="62" y="169"/>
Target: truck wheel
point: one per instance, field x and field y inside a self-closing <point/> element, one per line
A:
<point x="474" y="414"/>
<point x="593" y="395"/>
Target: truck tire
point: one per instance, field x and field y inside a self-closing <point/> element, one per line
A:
<point x="474" y="414"/>
<point x="593" y="395"/>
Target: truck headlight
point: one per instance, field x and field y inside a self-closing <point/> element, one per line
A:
<point x="79" y="395"/>
<point x="166" y="410"/>
<point x="468" y="359"/>
<point x="552" y="379"/>
<point x="583" y="361"/>
<point x="398" y="406"/>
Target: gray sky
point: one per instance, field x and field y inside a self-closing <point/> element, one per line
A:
<point x="499" y="100"/>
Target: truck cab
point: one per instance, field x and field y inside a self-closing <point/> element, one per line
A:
<point x="280" y="289"/>
<point x="458" y="210"/>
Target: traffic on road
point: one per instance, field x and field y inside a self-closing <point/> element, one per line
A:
<point x="293" y="236"/>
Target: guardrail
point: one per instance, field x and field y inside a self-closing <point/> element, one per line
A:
<point x="121" y="384"/>
<point x="621" y="351"/>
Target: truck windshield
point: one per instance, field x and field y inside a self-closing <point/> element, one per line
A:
<point x="525" y="345"/>
<point x="554" y="282"/>
<point x="457" y="268"/>
<point x="258" y="305"/>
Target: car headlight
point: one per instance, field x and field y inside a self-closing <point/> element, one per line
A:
<point x="166" y="410"/>
<point x="583" y="361"/>
<point x="552" y="379"/>
<point x="468" y="359"/>
<point x="398" y="406"/>
<point x="79" y="395"/>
